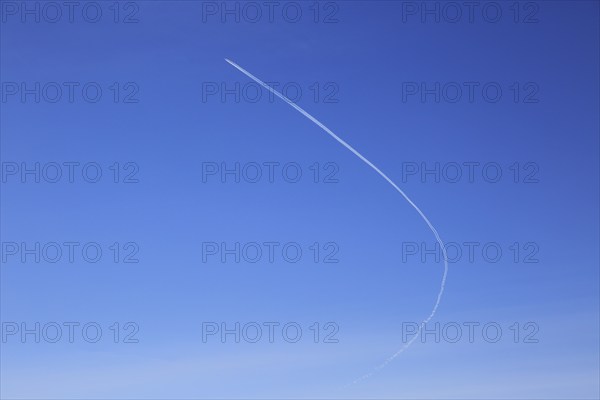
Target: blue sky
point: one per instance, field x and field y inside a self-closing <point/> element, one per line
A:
<point x="171" y="107"/>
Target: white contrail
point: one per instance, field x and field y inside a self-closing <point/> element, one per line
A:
<point x="384" y="176"/>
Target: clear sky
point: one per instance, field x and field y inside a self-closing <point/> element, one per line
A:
<point x="486" y="115"/>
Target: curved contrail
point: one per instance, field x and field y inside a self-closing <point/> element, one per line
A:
<point x="384" y="176"/>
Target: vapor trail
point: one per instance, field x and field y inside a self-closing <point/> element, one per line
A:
<point x="384" y="176"/>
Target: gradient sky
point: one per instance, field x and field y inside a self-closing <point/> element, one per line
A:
<point x="361" y="61"/>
